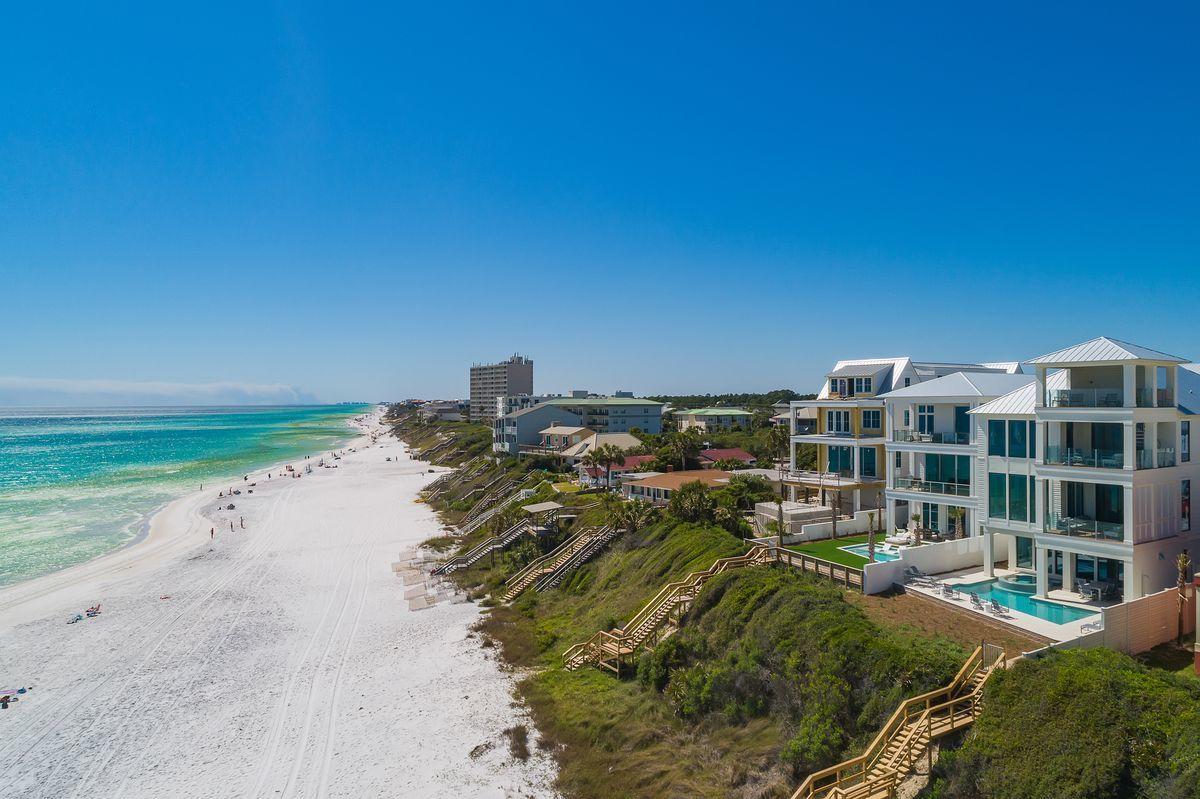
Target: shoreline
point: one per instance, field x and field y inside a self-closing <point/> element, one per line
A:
<point x="281" y="658"/>
<point x="14" y="594"/>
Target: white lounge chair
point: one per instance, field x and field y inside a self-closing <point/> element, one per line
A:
<point x="998" y="609"/>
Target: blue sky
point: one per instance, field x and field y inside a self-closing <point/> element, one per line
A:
<point x="359" y="201"/>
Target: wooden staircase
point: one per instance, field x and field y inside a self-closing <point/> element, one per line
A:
<point x="497" y="493"/>
<point x="551" y="562"/>
<point x="609" y="649"/>
<point x="480" y="551"/>
<point x="908" y="735"/>
<point x="582" y="555"/>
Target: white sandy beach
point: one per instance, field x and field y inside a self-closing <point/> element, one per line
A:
<point x="276" y="661"/>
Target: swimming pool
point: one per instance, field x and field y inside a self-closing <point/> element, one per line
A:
<point x="863" y="552"/>
<point x="1049" y="611"/>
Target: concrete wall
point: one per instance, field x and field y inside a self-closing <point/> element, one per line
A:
<point x="815" y="531"/>
<point x="946" y="556"/>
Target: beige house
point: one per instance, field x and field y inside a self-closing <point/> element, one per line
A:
<point x="706" y="419"/>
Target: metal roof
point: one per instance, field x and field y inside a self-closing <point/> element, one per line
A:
<point x="859" y="370"/>
<point x="573" y="401"/>
<point x="963" y="384"/>
<point x="1022" y="401"/>
<point x="715" y="412"/>
<point x="1105" y="350"/>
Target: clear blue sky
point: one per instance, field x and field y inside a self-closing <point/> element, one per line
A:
<point x="360" y="201"/>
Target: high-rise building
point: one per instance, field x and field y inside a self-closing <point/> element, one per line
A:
<point x="505" y="379"/>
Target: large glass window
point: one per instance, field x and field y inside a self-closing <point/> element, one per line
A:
<point x="1017" y="439"/>
<point x="948" y="468"/>
<point x="866" y="462"/>
<point x="1024" y="552"/>
<point x="924" y="418"/>
<point x="1185" y="502"/>
<point x="996" y="437"/>
<point x="1033" y="439"/>
<point x="838" y="421"/>
<point x="1185" y="441"/>
<point x="1018" y="500"/>
<point x="871" y="420"/>
<point x="840" y="459"/>
<point x="997" y="495"/>
<point x="1032" y="498"/>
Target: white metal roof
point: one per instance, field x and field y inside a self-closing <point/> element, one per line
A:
<point x="1104" y="350"/>
<point x="1022" y="401"/>
<point x="963" y="384"/>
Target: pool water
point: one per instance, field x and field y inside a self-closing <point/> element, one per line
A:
<point x="863" y="552"/>
<point x="1024" y="603"/>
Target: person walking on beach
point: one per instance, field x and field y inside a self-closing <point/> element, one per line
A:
<point x="212" y="533"/>
<point x="242" y="521"/>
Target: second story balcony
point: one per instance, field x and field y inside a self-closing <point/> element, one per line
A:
<point x="1161" y="458"/>
<point x="1081" y="527"/>
<point x="1085" y="398"/>
<point x="932" y="487"/>
<point x="1077" y="456"/>
<point x="916" y="437"/>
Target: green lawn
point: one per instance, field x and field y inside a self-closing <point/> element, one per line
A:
<point x="567" y="488"/>
<point x="831" y="549"/>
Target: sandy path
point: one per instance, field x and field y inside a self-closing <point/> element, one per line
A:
<point x="284" y="664"/>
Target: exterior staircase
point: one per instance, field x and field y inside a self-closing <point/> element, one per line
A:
<point x="908" y="735"/>
<point x="609" y="649"/>
<point x="497" y="493"/>
<point x="548" y="564"/>
<point x="483" y="549"/>
<point x="585" y="553"/>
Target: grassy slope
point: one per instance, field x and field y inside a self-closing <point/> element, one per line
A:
<point x="1080" y="725"/>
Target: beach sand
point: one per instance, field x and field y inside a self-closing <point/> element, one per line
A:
<point x="285" y="661"/>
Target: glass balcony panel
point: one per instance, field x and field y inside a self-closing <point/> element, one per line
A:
<point x="913" y="437"/>
<point x="1085" y="398"/>
<point x="1075" y="456"/>
<point x="1155" y="458"/>
<point x="1079" y="527"/>
<point x="933" y="487"/>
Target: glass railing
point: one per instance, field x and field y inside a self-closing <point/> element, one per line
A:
<point x="1075" y="456"/>
<point x="914" y="437"/>
<point x="1165" y="400"/>
<point x="1155" y="458"/>
<point x="1079" y="527"/>
<point x="1085" y="398"/>
<point x="933" y="487"/>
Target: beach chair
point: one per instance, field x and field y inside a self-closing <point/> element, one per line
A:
<point x="976" y="602"/>
<point x="1091" y="626"/>
<point x="998" y="609"/>
<point x="949" y="593"/>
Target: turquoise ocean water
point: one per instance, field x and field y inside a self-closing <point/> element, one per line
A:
<point x="77" y="483"/>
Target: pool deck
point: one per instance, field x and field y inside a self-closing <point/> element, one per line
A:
<point x="1024" y="621"/>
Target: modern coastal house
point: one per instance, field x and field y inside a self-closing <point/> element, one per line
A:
<point x="850" y="434"/>
<point x="930" y="449"/>
<point x="709" y="419"/>
<point x="522" y="428"/>
<point x="1089" y="470"/>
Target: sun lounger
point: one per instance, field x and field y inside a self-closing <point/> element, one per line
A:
<point x="976" y="602"/>
<point x="998" y="609"/>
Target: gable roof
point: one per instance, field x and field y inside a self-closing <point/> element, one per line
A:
<point x="565" y="430"/>
<point x="622" y="441"/>
<point x="858" y="370"/>
<point x="632" y="462"/>
<point x="673" y="480"/>
<point x="964" y="384"/>
<point x="1105" y="350"/>
<point x="1022" y="401"/>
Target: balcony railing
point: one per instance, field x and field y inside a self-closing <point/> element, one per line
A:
<point x="1079" y="527"/>
<point x="933" y="487"/>
<point x="828" y="476"/>
<point x="1155" y="458"/>
<point x="1085" y="398"/>
<point x="913" y="437"/>
<point x="1095" y="458"/>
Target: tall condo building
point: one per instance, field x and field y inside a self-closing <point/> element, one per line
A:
<point x="505" y="379"/>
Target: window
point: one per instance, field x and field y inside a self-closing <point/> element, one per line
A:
<point x="1033" y="439"/>
<point x="840" y="460"/>
<point x="907" y="417"/>
<point x="1016" y="439"/>
<point x="1185" y="502"/>
<point x="866" y="462"/>
<point x="862" y="385"/>
<point x="1018" y="499"/>
<point x="839" y="421"/>
<point x="1032" y="498"/>
<point x="996" y="437"/>
<point x="1024" y="552"/>
<point x="907" y="382"/>
<point x="924" y="418"/>
<point x="1185" y="441"/>
<point x="997" y="495"/>
<point x="871" y="419"/>
<point x="899" y="460"/>
<point x="929" y="516"/>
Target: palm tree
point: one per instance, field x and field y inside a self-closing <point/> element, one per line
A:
<point x="916" y="517"/>
<point x="871" y="538"/>
<point x="613" y="456"/>
<point x="592" y="459"/>
<point x="683" y="445"/>
<point x="1183" y="563"/>
<point x="632" y="516"/>
<point x="779" y="442"/>
<point x="957" y="514"/>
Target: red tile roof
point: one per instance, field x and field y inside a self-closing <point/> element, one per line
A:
<point x="715" y="455"/>
<point x="630" y="465"/>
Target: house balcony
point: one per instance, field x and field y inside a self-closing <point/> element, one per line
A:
<point x="1093" y="458"/>
<point x="1079" y="527"/>
<point x="1085" y="398"/>
<point x="932" y="487"/>
<point x="914" y="437"/>
<point x="1160" y="458"/>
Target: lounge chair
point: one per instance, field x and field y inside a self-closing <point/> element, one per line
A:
<point x="976" y="602"/>
<point x="949" y="592"/>
<point x="1091" y="626"/>
<point x="998" y="609"/>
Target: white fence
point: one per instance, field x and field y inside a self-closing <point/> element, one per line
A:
<point x="945" y="556"/>
<point x="1139" y="624"/>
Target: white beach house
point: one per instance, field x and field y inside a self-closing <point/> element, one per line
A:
<point x="1089" y="469"/>
<point x="931" y="450"/>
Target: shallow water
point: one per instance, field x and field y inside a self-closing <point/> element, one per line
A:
<point x="78" y="483"/>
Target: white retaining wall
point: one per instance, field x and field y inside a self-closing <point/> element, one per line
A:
<point x="1137" y="625"/>
<point x="817" y="531"/>
<point x="945" y="556"/>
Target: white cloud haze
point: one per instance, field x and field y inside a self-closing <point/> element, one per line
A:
<point x="40" y="391"/>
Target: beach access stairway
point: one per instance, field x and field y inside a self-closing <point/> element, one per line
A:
<point x="908" y="735"/>
<point x="547" y="565"/>
<point x="486" y="486"/>
<point x="483" y="549"/>
<point x="490" y="499"/>
<point x="609" y="649"/>
<point x="585" y="553"/>
<point x="453" y="480"/>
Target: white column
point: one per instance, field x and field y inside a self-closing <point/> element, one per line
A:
<point x="1129" y="383"/>
<point x="989" y="560"/>
<point x="1041" y="563"/>
<point x="1068" y="571"/>
<point x="1040" y="399"/>
<point x="1133" y="582"/>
